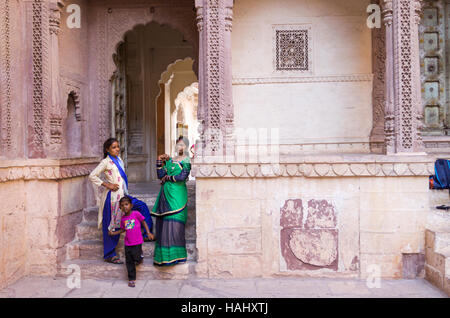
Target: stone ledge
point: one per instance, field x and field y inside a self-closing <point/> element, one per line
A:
<point x="46" y="169"/>
<point x="322" y="166"/>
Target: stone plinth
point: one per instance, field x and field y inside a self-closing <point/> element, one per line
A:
<point x="322" y="216"/>
<point x="44" y="199"/>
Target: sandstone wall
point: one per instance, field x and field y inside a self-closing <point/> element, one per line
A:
<point x="331" y="102"/>
<point x="43" y="201"/>
<point x="308" y="226"/>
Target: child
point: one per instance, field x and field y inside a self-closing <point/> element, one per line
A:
<point x="131" y="225"/>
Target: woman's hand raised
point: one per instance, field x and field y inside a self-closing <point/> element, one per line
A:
<point x="163" y="157"/>
<point x="111" y="186"/>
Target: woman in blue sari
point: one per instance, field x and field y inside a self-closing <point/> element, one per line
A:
<point x="116" y="184"/>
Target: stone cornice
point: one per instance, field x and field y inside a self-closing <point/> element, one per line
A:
<point x="345" y="166"/>
<point x="303" y="79"/>
<point x="46" y="169"/>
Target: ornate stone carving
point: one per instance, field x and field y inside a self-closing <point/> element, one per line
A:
<point x="40" y="78"/>
<point x="5" y="78"/>
<point x="52" y="170"/>
<point x="406" y="55"/>
<point x="292" y="50"/>
<point x="402" y="100"/>
<point x="216" y="115"/>
<point x="73" y="87"/>
<point x="304" y="79"/>
<point x="311" y="169"/>
<point x="377" y="135"/>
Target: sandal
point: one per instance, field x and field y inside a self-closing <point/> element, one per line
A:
<point x="131" y="284"/>
<point x="113" y="260"/>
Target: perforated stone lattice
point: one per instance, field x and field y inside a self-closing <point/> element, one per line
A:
<point x="292" y="48"/>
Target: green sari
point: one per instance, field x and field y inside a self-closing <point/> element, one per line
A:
<point x="170" y="210"/>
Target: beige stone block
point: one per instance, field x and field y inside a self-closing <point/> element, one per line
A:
<point x="72" y="195"/>
<point x="234" y="241"/>
<point x="348" y="230"/>
<point x="386" y="265"/>
<point x="223" y="188"/>
<point x="44" y="195"/>
<point x="201" y="269"/>
<point x="41" y="257"/>
<point x="331" y="187"/>
<point x="15" y="268"/>
<point x="429" y="239"/>
<point x="435" y="260"/>
<point x="387" y="243"/>
<point x="13" y="197"/>
<point x="434" y="276"/>
<point x="400" y="201"/>
<point x="237" y="213"/>
<point x="446" y="286"/>
<point x="236" y="266"/>
<point x="392" y="221"/>
<point x="38" y="232"/>
<point x="394" y="184"/>
<point x="14" y="237"/>
<point x="270" y="230"/>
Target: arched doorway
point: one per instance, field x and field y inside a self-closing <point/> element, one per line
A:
<point x="139" y="117"/>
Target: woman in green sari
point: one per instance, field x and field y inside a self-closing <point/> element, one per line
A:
<point x="170" y="208"/>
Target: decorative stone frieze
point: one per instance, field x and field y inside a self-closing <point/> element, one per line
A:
<point x="43" y="169"/>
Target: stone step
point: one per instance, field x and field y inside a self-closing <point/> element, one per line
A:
<point x="88" y="231"/>
<point x="101" y="270"/>
<point x="90" y="215"/>
<point x="93" y="250"/>
<point x="438" y="197"/>
<point x="438" y="220"/>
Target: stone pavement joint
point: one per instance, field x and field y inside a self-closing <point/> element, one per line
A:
<point x="56" y="287"/>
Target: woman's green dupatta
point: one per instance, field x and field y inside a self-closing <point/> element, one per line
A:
<point x="174" y="192"/>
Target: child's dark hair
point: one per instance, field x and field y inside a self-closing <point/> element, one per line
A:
<point x="125" y="198"/>
<point x="108" y="144"/>
<point x="185" y="140"/>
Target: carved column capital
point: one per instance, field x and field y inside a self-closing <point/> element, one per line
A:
<point x="55" y="16"/>
<point x="199" y="17"/>
<point x="387" y="12"/>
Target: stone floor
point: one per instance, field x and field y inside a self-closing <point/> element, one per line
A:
<point x="237" y="288"/>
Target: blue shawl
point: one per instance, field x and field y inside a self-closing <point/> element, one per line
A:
<point x="118" y="162"/>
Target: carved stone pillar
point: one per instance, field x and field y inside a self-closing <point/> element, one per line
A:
<point x="45" y="115"/>
<point x="215" y="114"/>
<point x="56" y="107"/>
<point x="389" y="120"/>
<point x="38" y="135"/>
<point x="403" y="93"/>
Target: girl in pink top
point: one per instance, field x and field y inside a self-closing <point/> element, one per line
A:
<point x="131" y="225"/>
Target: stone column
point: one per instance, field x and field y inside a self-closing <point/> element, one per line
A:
<point x="215" y="112"/>
<point x="57" y="105"/>
<point x="403" y="93"/>
<point x="389" y="121"/>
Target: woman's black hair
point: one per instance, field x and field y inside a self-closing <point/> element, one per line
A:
<point x="125" y="198"/>
<point x="108" y="144"/>
<point x="185" y="140"/>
